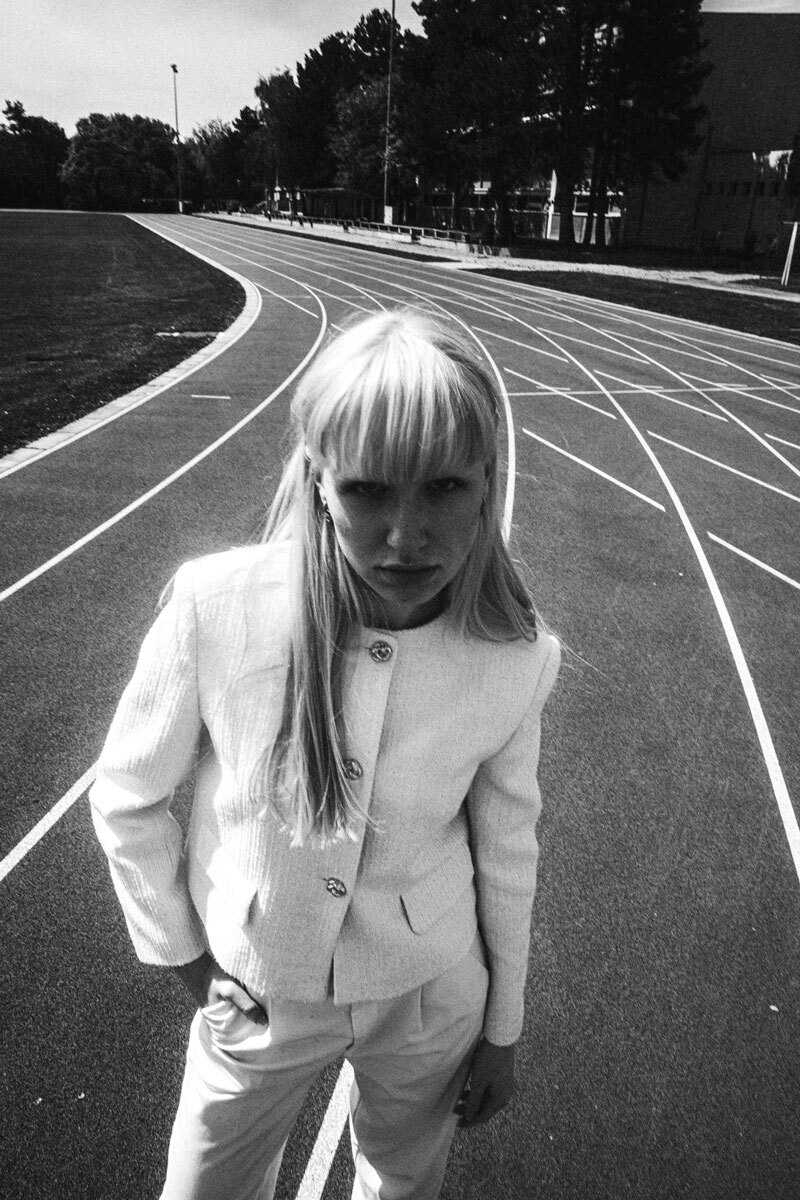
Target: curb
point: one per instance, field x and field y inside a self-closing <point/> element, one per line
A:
<point x="75" y="430"/>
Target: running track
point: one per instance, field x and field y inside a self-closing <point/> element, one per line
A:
<point x="653" y="485"/>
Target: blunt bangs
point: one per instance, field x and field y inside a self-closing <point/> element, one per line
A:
<point x="384" y="401"/>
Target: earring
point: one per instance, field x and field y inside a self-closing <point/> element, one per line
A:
<point x="326" y="512"/>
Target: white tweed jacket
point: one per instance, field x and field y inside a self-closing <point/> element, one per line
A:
<point x="443" y="744"/>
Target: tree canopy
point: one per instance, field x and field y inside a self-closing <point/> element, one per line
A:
<point x="503" y="91"/>
<point x="32" y="150"/>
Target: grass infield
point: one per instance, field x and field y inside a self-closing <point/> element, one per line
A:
<point x="82" y="298"/>
<point x="767" y="317"/>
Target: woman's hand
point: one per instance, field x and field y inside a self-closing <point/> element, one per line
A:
<point x="489" y="1086"/>
<point x="207" y="982"/>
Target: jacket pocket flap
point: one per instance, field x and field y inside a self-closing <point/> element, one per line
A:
<point x="433" y="896"/>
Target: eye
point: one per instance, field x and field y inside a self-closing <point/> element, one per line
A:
<point x="445" y="487"/>
<point x="362" y="489"/>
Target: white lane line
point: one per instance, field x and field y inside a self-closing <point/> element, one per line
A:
<point x="293" y="303"/>
<point x="771" y="761"/>
<point x="554" y="391"/>
<point x="715" y="462"/>
<point x="782" y="441"/>
<point x="207" y="396"/>
<point x="220" y="246"/>
<point x="660" y="394"/>
<point x="165" y="483"/>
<point x="784" y="382"/>
<point x="746" y="390"/>
<point x="15" y="856"/>
<point x="148" y="391"/>
<point x="681" y="378"/>
<point x="596" y="470"/>
<point x="756" y="561"/>
<point x="635" y="357"/>
<point x="312" y="1185"/>
<point x="524" y="345"/>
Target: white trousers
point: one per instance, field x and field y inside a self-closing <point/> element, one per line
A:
<point x="244" y="1086"/>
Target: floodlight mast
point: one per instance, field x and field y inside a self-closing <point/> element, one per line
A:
<point x="177" y="136"/>
<point x="388" y="117"/>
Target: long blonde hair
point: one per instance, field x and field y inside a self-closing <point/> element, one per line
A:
<point x="399" y="393"/>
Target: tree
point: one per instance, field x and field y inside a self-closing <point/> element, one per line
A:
<point x="230" y="161"/>
<point x="116" y="162"/>
<point x="324" y="78"/>
<point x="475" y="79"/>
<point x="281" y="116"/>
<point x="32" y="151"/>
<point x="621" y="82"/>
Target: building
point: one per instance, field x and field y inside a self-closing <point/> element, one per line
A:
<point x="735" y="194"/>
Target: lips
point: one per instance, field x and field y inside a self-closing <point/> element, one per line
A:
<point x="401" y="576"/>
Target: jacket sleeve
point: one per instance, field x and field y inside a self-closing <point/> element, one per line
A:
<point x="504" y="805"/>
<point x="149" y="750"/>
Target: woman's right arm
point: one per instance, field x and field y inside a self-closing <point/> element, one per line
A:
<point x="149" y="750"/>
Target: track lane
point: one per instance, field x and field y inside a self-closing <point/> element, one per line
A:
<point x="603" y="560"/>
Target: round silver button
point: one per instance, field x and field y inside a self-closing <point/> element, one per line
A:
<point x="381" y="651"/>
<point x="335" y="887"/>
<point x="352" y="768"/>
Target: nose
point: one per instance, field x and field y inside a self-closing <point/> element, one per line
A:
<point x="407" y="532"/>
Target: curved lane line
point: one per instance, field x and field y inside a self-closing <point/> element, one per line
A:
<point x="165" y="483"/>
<point x="77" y="790"/>
<point x="148" y="391"/>
<point x="780" y="790"/>
<point x="710" y="357"/>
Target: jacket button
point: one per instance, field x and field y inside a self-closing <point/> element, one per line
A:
<point x="335" y="887"/>
<point x="381" y="651"/>
<point x="352" y="768"/>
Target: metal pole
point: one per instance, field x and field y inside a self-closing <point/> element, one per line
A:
<point x="388" y="118"/>
<point x="177" y="136"/>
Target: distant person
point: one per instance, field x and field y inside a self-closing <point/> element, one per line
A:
<point x="361" y="695"/>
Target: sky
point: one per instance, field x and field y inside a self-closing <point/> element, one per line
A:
<point x="64" y="59"/>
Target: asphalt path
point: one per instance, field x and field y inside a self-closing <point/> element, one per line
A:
<point x="653" y="485"/>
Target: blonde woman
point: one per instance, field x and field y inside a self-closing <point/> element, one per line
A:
<point x="360" y="697"/>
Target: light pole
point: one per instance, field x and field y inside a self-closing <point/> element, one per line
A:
<point x="177" y="136"/>
<point x="388" y="118"/>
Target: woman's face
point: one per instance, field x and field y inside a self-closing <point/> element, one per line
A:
<point x="406" y="540"/>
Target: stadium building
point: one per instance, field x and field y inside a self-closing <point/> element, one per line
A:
<point x="741" y="187"/>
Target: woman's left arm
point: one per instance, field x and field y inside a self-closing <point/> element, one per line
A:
<point x="504" y="805"/>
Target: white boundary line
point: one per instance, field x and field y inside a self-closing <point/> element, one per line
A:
<point x="35" y="451"/>
<point x="756" y="561"/>
<point x="165" y="483"/>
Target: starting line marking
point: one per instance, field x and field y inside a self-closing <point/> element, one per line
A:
<point x="756" y="561"/>
<point x="715" y="462"/>
<point x="596" y="470"/>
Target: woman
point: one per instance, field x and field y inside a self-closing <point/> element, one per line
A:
<point x="365" y="689"/>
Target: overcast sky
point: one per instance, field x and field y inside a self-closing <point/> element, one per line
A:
<point x="66" y="58"/>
